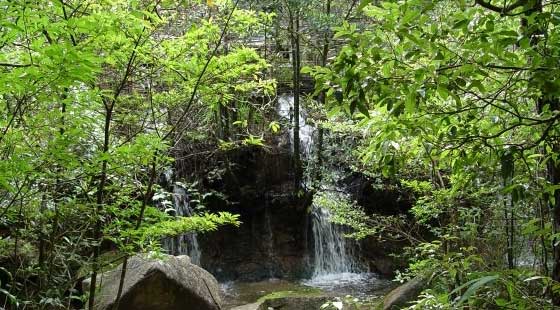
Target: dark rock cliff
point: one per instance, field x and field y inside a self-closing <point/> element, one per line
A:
<point x="275" y="237"/>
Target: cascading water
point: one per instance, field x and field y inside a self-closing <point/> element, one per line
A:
<point x="333" y="254"/>
<point x="185" y="244"/>
<point x="335" y="262"/>
<point x="286" y="111"/>
<point x="336" y="265"/>
<point x="334" y="257"/>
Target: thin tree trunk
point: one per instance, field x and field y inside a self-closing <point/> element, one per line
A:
<point x="511" y="234"/>
<point x="554" y="179"/>
<point x="323" y="97"/>
<point x="543" y="219"/>
<point x="295" y="40"/>
<point x="508" y="218"/>
<point x="99" y="202"/>
<point x="147" y="196"/>
<point x="553" y="168"/>
<point x="109" y="105"/>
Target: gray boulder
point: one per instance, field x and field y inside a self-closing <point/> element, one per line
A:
<point x="171" y="283"/>
<point x="400" y="296"/>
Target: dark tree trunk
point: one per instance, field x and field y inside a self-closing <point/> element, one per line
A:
<point x="322" y="98"/>
<point x="97" y="232"/>
<point x="296" y="64"/>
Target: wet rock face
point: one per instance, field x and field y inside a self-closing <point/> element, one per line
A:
<point x="378" y="196"/>
<point x="275" y="238"/>
<point x="272" y="240"/>
<point x="385" y="199"/>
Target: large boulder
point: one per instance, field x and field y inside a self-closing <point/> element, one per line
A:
<point x="404" y="294"/>
<point x="168" y="283"/>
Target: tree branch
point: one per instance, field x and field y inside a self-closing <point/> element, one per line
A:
<point x="4" y="64"/>
<point x="502" y="10"/>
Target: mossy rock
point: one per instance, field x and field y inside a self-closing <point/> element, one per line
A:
<point x="294" y="303"/>
<point x="304" y="292"/>
<point x="306" y="298"/>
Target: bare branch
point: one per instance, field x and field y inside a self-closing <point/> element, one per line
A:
<point x="4" y="64"/>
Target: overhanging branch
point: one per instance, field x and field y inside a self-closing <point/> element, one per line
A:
<point x="503" y="10"/>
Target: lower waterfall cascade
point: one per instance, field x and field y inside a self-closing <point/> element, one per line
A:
<point x="333" y="253"/>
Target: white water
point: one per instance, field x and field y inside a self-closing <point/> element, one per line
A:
<point x="332" y="252"/>
<point x="185" y="244"/>
<point x="286" y="111"/>
<point x="334" y="259"/>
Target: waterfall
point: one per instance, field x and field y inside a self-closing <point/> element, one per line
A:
<point x="185" y="244"/>
<point x="286" y="111"/>
<point x="334" y="257"/>
<point x="333" y="254"/>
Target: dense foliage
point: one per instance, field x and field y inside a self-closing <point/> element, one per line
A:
<point x="95" y="95"/>
<point x="456" y="103"/>
<point x="459" y="103"/>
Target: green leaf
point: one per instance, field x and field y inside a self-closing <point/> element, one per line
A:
<point x="253" y="140"/>
<point x="13" y="299"/>
<point x="461" y="24"/>
<point x="410" y="103"/>
<point x="473" y="285"/>
<point x="410" y="15"/>
<point x="363" y="4"/>
<point x="306" y="70"/>
<point x="478" y="84"/>
<point x="442" y="91"/>
<point x="241" y="123"/>
<point x="362" y="103"/>
<point x="387" y="68"/>
<point x="274" y="126"/>
<point x="490" y="25"/>
<point x="363" y="108"/>
<point x="525" y="43"/>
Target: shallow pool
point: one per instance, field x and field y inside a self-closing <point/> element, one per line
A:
<point x="361" y="285"/>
